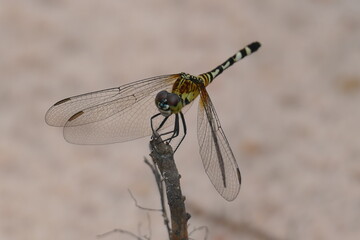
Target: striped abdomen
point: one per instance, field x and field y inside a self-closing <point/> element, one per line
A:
<point x="186" y="86"/>
<point x="208" y="77"/>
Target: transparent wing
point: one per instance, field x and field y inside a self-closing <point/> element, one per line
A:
<point x="111" y="115"/>
<point x="219" y="161"/>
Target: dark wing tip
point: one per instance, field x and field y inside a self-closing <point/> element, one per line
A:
<point x="238" y="175"/>
<point x="62" y="101"/>
<point x="75" y="116"/>
<point x="254" y="46"/>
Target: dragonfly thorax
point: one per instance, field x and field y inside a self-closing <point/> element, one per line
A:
<point x="168" y="103"/>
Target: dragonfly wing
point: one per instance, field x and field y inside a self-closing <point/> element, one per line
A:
<point x="217" y="156"/>
<point x="111" y="115"/>
<point x="60" y="112"/>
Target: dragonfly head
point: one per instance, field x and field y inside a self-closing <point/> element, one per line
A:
<point x="167" y="102"/>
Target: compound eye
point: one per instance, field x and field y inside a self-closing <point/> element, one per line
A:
<point x="173" y="99"/>
<point x="161" y="96"/>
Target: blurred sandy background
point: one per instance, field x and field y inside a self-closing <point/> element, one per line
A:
<point x="291" y="113"/>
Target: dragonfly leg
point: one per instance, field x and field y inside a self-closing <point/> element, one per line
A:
<point x="155" y="132"/>
<point x="162" y="123"/>
<point x="174" y="132"/>
<point x="184" y="126"/>
<point x="177" y="130"/>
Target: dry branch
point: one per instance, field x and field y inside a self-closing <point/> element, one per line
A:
<point x="163" y="156"/>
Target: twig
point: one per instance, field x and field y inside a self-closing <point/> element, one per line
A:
<point x="160" y="186"/>
<point x="162" y="154"/>
<point x="118" y="230"/>
<point x="205" y="228"/>
<point x="149" y="227"/>
<point x="141" y="207"/>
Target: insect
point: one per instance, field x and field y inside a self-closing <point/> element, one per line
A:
<point x="128" y="112"/>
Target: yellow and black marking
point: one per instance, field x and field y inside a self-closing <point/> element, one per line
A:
<point x="187" y="86"/>
<point x="209" y="76"/>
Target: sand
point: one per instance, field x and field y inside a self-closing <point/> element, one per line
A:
<point x="291" y="113"/>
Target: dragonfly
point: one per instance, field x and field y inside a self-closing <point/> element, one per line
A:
<point x="124" y="113"/>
